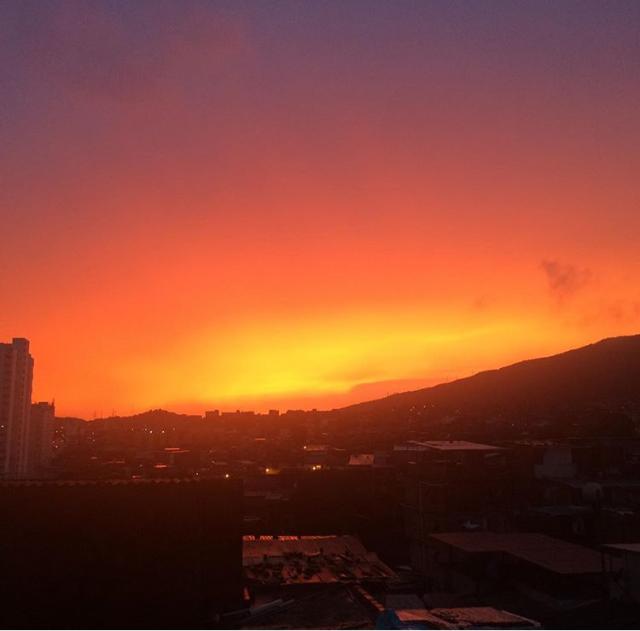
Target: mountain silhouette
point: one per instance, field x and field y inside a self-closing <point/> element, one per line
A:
<point x="596" y="386"/>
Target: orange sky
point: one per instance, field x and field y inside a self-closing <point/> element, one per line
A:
<point x="212" y="205"/>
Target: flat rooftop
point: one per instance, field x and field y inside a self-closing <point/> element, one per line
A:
<point x="551" y="554"/>
<point x="458" y="445"/>
<point x="482" y="618"/>
<point x="633" y="548"/>
<point x="444" y="445"/>
<point x="462" y="618"/>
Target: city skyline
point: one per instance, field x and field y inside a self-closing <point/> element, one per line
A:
<point x="247" y="205"/>
<point x="38" y="450"/>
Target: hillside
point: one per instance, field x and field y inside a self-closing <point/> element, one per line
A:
<point x="596" y="383"/>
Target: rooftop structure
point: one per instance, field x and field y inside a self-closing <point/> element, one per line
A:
<point x="293" y="560"/>
<point x="361" y="460"/>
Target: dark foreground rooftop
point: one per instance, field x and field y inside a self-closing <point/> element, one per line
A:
<point x="292" y="560"/>
<point x="552" y="554"/>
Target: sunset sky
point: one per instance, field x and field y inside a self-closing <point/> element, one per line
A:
<point x="306" y="204"/>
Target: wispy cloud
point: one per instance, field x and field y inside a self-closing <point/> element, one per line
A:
<point x="564" y="279"/>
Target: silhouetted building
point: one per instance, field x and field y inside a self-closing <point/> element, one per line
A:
<point x="16" y="376"/>
<point x="453" y="485"/>
<point x="40" y="439"/>
<point x="143" y="554"/>
<point x="540" y="568"/>
<point x="622" y="571"/>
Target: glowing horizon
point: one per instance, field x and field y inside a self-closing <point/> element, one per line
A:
<point x="230" y="205"/>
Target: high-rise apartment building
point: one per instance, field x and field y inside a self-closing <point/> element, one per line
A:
<point x="16" y="376"/>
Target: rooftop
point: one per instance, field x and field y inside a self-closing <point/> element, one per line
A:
<point x="459" y="618"/>
<point x="361" y="460"/>
<point x="459" y="445"/>
<point x="633" y="548"/>
<point x="288" y="560"/>
<point x="612" y="483"/>
<point x="552" y="554"/>
<point x="482" y="617"/>
<point x="444" y="445"/>
<point x="561" y="510"/>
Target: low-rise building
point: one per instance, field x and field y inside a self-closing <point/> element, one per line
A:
<point x="550" y="571"/>
<point x="622" y="571"/>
